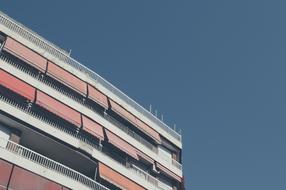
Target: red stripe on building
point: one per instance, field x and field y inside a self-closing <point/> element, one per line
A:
<point x="17" y="85"/>
<point x="97" y="96"/>
<point x="58" y="108"/>
<point x="67" y="78"/>
<point x="92" y="128"/>
<point x="26" y="54"/>
<point x="121" y="144"/>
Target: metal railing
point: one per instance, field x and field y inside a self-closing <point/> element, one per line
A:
<point x="49" y="164"/>
<point x="106" y="116"/>
<point x="141" y="173"/>
<point x="61" y="55"/>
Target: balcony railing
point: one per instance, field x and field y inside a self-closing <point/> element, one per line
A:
<point x="163" y="186"/>
<point x="98" y="147"/>
<point x="60" y="54"/>
<point x="106" y="116"/>
<point x="49" y="164"/>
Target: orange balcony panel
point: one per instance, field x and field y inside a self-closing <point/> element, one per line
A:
<point x="17" y="85"/>
<point x="67" y="78"/>
<point x="117" y="179"/>
<point x="5" y="171"/>
<point x="168" y="172"/>
<point x="122" y="112"/>
<point x="58" y="108"/>
<point x="26" y="54"/>
<point x="147" y="129"/>
<point x="143" y="156"/>
<point x="92" y="127"/>
<point x="121" y="144"/>
<point x="24" y="180"/>
<point x="97" y="96"/>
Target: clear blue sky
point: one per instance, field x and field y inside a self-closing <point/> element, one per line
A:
<point x="215" y="68"/>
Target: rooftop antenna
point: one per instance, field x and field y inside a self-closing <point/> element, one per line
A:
<point x="162" y="117"/>
<point x="70" y="52"/>
<point x="156" y="113"/>
<point x="150" y="108"/>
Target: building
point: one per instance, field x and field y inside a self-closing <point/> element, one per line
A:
<point x="62" y="126"/>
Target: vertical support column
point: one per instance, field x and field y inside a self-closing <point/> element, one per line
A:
<point x="95" y="173"/>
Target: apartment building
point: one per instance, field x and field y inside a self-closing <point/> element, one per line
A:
<point x="62" y="126"/>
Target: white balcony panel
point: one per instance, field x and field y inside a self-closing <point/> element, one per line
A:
<point x="165" y="154"/>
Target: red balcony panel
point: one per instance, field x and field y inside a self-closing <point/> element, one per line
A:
<point x="67" y="78"/>
<point x="92" y="127"/>
<point x="121" y="144"/>
<point x="168" y="172"/>
<point x="17" y="85"/>
<point x="122" y="112"/>
<point x="58" y="108"/>
<point x="147" y="129"/>
<point x="117" y="179"/>
<point x="5" y="171"/>
<point x="97" y="96"/>
<point x="26" y="54"/>
<point x="24" y="180"/>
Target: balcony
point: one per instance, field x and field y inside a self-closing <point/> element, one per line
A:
<point x="66" y="92"/>
<point x="53" y="50"/>
<point x="29" y="155"/>
<point x="96" y="148"/>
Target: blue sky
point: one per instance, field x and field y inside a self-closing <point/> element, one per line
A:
<point x="215" y="68"/>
